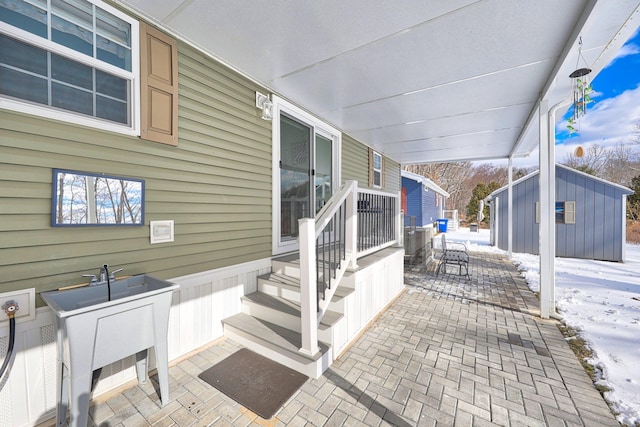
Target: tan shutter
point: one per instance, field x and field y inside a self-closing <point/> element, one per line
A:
<point x="158" y="86"/>
<point x="382" y="171"/>
<point x="569" y="212"/>
<point x="537" y="212"/>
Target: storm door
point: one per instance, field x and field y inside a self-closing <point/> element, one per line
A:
<point x="306" y="175"/>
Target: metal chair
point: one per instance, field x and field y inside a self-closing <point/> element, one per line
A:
<point x="453" y="253"/>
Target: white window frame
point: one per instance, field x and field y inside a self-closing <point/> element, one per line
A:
<point x="320" y="127"/>
<point x="132" y="76"/>
<point x="373" y="166"/>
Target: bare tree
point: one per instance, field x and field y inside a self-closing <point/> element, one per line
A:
<point x="451" y="177"/>
<point x="618" y="164"/>
<point x="593" y="161"/>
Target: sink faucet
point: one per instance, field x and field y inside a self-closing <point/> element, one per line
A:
<point x="103" y="277"/>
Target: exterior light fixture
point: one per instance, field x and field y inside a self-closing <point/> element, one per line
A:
<point x="581" y="89"/>
<point x="263" y="102"/>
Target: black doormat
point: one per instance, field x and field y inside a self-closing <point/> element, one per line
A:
<point x="257" y="383"/>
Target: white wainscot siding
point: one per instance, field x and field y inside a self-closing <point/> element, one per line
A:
<point x="203" y="300"/>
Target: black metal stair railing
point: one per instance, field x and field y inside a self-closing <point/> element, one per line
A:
<point x="330" y="251"/>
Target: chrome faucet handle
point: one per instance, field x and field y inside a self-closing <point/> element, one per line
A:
<point x="93" y="277"/>
<point x="113" y="273"/>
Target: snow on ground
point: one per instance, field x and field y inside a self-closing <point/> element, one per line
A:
<point x="599" y="299"/>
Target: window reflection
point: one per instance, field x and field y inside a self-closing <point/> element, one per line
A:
<point x="86" y="199"/>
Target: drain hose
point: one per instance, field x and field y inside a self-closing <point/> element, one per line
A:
<point x="10" y="308"/>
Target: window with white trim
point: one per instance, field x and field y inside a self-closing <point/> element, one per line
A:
<point x="377" y="169"/>
<point x="72" y="60"/>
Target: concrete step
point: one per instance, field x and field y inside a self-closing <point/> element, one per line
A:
<point x="286" y="313"/>
<point x="277" y="343"/>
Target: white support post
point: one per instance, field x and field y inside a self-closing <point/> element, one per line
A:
<point x="351" y="225"/>
<point x="399" y="234"/>
<point x="510" y="210"/>
<point x="547" y="231"/>
<point x="308" y="287"/>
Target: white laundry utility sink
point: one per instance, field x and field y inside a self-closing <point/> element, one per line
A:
<point x="93" y="331"/>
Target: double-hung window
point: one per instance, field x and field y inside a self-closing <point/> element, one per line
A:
<point x="375" y="178"/>
<point x="71" y="60"/>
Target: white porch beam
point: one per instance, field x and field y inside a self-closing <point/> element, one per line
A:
<point x="563" y="58"/>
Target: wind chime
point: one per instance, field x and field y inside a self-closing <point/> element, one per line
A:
<point x="581" y="89"/>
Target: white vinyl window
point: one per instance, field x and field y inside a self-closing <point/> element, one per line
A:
<point x="71" y="60"/>
<point x="377" y="170"/>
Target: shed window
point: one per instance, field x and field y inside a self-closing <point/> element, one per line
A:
<point x="565" y="212"/>
<point x="73" y="60"/>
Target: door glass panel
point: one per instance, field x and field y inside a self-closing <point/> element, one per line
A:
<point x="323" y="176"/>
<point x="295" y="177"/>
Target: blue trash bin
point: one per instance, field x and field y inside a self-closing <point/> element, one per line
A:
<point x="442" y="225"/>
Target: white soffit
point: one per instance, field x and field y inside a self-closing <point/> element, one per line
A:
<point x="419" y="80"/>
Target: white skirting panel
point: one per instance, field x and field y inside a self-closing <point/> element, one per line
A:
<point x="203" y="300"/>
<point x="378" y="280"/>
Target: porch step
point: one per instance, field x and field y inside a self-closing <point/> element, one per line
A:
<point x="287" y="264"/>
<point x="287" y="287"/>
<point x="286" y="313"/>
<point x="277" y="343"/>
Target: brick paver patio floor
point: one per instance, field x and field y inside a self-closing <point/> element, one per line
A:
<point x="447" y="352"/>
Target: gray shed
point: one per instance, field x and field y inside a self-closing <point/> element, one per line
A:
<point x="590" y="216"/>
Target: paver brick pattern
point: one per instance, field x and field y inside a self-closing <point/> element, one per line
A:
<point x="449" y="351"/>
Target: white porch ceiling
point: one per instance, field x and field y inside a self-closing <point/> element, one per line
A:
<point x="419" y="80"/>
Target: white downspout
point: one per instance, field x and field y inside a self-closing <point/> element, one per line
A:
<point x="510" y="207"/>
<point x="547" y="192"/>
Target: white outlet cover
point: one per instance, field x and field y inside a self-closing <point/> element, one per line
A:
<point x="26" y="299"/>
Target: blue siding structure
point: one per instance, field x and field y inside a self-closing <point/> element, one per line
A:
<point x="599" y="229"/>
<point x="422" y="198"/>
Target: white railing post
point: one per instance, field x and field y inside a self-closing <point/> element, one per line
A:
<point x="399" y="231"/>
<point x="308" y="292"/>
<point x="351" y="226"/>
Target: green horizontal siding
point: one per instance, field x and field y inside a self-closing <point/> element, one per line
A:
<point x="215" y="185"/>
<point x="355" y="161"/>
<point x="355" y="166"/>
<point x="392" y="179"/>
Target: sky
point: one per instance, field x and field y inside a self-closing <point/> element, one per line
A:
<point x="599" y="299"/>
<point x="615" y="112"/>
